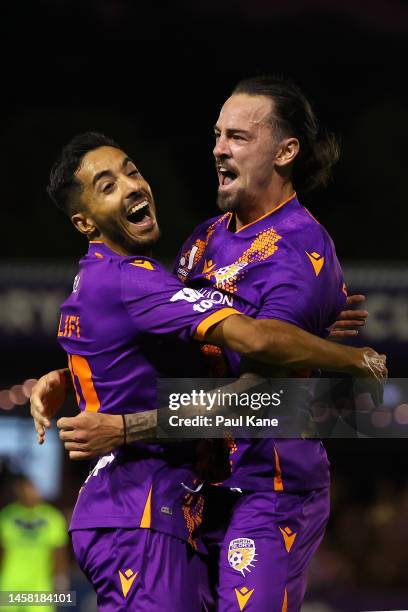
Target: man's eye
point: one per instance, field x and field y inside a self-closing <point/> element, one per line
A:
<point x="107" y="187"/>
<point x="216" y="136"/>
<point x="134" y="172"/>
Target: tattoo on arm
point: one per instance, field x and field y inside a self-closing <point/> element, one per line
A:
<point x="141" y="425"/>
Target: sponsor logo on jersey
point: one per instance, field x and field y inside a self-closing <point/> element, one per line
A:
<point x="218" y="297"/>
<point x="228" y="273"/>
<point x="288" y="537"/>
<point x="187" y="294"/>
<point x="126" y="580"/>
<point x="316" y="260"/>
<point x="241" y="554"/>
<point x="166" y="510"/>
<point x="102" y="463"/>
<point x="190" y="258"/>
<point x="243" y="596"/>
<point x="192" y="296"/>
<point x="75" y="286"/>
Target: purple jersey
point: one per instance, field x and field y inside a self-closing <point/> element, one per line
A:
<point x="282" y="266"/>
<point x="112" y="328"/>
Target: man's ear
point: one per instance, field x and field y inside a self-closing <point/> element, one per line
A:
<point x="287" y="151"/>
<point x="84" y="224"/>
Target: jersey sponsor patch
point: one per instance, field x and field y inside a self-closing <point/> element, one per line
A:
<point x="192" y="296"/>
<point x="76" y="283"/>
<point x="218" y="297"/>
<point x="102" y="463"/>
<point x="241" y="554"/>
<point x="228" y="273"/>
<point x="166" y="510"/>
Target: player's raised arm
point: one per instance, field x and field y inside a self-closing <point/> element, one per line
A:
<point x="278" y="343"/>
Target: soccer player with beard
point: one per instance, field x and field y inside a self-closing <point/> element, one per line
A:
<point x="102" y="327"/>
<point x="270" y="253"/>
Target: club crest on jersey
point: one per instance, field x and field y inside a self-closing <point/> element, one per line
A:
<point x="228" y="273"/>
<point x="241" y="554"/>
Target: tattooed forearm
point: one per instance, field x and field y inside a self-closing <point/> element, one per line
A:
<point x="141" y="425"/>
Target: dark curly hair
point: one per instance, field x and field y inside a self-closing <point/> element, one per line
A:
<point x="63" y="188"/>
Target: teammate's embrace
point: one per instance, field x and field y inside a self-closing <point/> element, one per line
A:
<point x="133" y="524"/>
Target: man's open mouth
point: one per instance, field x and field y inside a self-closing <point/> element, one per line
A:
<point x="225" y="176"/>
<point x="139" y="212"/>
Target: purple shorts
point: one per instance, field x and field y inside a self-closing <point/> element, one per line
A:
<point x="266" y="549"/>
<point x="141" y="569"/>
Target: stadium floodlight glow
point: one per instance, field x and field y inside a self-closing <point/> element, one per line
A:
<point x="401" y="414"/>
<point x="28" y="386"/>
<point x="381" y="418"/>
<point x="17" y="395"/>
<point x="6" y="402"/>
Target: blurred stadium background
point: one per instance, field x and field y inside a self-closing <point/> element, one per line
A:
<point x="153" y="77"/>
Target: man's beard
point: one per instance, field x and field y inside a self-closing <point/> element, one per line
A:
<point x="134" y="246"/>
<point x="227" y="202"/>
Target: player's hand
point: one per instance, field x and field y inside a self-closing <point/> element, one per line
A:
<point x="371" y="365"/>
<point x="90" y="434"/>
<point x="349" y="321"/>
<point x="47" y="397"/>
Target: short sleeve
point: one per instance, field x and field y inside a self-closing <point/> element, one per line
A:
<point x="158" y="303"/>
<point x="302" y="294"/>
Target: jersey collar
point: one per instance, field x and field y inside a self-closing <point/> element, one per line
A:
<point x="97" y="248"/>
<point x="292" y="199"/>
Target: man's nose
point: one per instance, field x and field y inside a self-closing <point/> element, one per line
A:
<point x="132" y="194"/>
<point x="131" y="185"/>
<point x="221" y="148"/>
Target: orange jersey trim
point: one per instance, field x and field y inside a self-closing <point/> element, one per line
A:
<point x="146" y="521"/>
<point x="80" y="367"/>
<point x="285" y="602"/>
<point x="73" y="378"/>
<point x="310" y="215"/>
<point x="95" y="242"/>
<point x="277" y="481"/>
<point x="266" y="214"/>
<point x="214" y="318"/>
